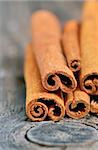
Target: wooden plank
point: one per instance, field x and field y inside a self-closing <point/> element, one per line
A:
<point x="14" y="33"/>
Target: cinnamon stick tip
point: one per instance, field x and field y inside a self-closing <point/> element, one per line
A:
<point x="44" y="13"/>
<point x="79" y="106"/>
<point x="75" y="65"/>
<point x="71" y="24"/>
<point x="88" y="83"/>
<point x="55" y="80"/>
<point x="43" y="105"/>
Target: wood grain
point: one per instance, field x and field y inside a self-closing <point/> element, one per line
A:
<point x="14" y="33"/>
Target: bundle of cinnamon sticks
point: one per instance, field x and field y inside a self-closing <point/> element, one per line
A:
<point x="61" y="68"/>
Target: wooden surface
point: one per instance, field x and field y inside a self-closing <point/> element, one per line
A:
<point x="14" y="34"/>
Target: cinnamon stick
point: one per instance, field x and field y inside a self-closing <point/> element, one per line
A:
<point x="77" y="104"/>
<point x="94" y="104"/>
<point x="39" y="103"/>
<point x="46" y="38"/>
<point x="89" y="48"/>
<point x="70" y="42"/>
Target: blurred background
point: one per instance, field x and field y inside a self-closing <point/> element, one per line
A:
<point x="15" y="24"/>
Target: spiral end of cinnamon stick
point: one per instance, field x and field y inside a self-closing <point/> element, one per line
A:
<point x="94" y="107"/>
<point x="56" y="111"/>
<point x="90" y="84"/>
<point x="94" y="104"/>
<point x="78" y="106"/>
<point x="37" y="111"/>
<point x="75" y="65"/>
<point x="45" y="105"/>
<point x="64" y="81"/>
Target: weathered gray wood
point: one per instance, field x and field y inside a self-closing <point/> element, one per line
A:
<point x="14" y="33"/>
<point x="62" y="133"/>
